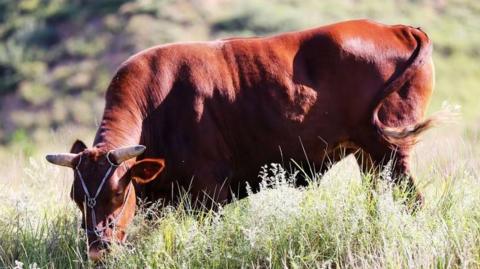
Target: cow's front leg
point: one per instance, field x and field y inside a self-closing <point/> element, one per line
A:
<point x="210" y="186"/>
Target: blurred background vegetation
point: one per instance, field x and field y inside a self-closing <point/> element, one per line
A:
<point x="57" y="56"/>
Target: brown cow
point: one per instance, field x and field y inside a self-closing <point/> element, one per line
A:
<point x="212" y="113"/>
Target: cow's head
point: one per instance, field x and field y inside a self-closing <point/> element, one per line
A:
<point x="103" y="189"/>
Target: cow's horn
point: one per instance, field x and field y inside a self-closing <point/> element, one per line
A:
<point x="125" y="153"/>
<point x="63" y="159"/>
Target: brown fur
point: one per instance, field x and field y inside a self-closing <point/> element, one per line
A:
<point x="214" y="112"/>
<point x="403" y="135"/>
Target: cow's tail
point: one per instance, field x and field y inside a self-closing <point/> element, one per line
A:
<point x="409" y="134"/>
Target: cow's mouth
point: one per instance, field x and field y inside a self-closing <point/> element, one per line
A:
<point x="97" y="253"/>
<point x="99" y="247"/>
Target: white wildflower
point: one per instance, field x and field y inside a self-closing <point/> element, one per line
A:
<point x="18" y="265"/>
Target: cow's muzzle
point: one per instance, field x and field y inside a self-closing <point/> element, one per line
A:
<point x="97" y="253"/>
<point x="98" y="247"/>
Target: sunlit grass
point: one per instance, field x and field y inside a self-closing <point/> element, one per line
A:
<point x="333" y="222"/>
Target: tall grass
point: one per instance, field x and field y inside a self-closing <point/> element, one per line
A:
<point x="334" y="222"/>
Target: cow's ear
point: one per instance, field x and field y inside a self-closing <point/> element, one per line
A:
<point x="78" y="146"/>
<point x="146" y="170"/>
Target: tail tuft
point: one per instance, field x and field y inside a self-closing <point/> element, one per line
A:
<point x="409" y="135"/>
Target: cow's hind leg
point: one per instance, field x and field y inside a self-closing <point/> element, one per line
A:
<point x="376" y="158"/>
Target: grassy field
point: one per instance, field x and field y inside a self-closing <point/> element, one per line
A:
<point x="56" y="59"/>
<point x="331" y="223"/>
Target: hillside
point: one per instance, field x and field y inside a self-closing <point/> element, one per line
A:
<point x="58" y="56"/>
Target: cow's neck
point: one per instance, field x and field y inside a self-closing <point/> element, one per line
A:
<point x="118" y="128"/>
<point x="130" y="98"/>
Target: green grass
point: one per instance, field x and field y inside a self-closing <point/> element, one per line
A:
<point x="57" y="56"/>
<point x="57" y="79"/>
<point x="331" y="223"/>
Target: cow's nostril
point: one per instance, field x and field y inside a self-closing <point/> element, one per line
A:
<point x="110" y="223"/>
<point x="105" y="243"/>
